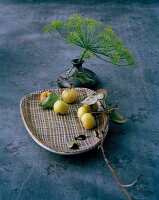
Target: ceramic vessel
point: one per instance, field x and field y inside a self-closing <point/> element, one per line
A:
<point x="75" y="81"/>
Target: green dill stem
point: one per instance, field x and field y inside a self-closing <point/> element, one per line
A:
<point x="80" y="60"/>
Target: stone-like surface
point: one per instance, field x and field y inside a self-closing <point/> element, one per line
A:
<point x="31" y="61"/>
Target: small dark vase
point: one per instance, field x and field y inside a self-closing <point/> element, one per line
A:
<point x="75" y="81"/>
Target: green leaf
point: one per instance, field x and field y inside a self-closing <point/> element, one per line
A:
<point x="116" y="117"/>
<point x="81" y="76"/>
<point x="50" y="100"/>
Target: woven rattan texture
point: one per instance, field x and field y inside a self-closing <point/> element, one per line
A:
<point x="53" y="131"/>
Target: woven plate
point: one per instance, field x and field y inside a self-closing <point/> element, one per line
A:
<point x="52" y="131"/>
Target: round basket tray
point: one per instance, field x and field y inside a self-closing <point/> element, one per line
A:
<point x="53" y="132"/>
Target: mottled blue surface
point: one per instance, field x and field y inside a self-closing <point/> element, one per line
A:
<point x="31" y="61"/>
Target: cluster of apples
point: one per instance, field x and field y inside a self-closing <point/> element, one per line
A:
<point x="84" y="114"/>
<point x="68" y="96"/>
<point x="61" y="105"/>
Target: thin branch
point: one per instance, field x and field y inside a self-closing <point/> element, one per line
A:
<point x="121" y="186"/>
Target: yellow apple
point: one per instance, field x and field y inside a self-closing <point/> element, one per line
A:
<point x="61" y="107"/>
<point x="69" y="95"/>
<point x="82" y="110"/>
<point x="88" y="121"/>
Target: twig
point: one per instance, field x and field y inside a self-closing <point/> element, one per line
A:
<point x="131" y="184"/>
<point x="105" y="111"/>
<point x="25" y="181"/>
<point x="121" y="186"/>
